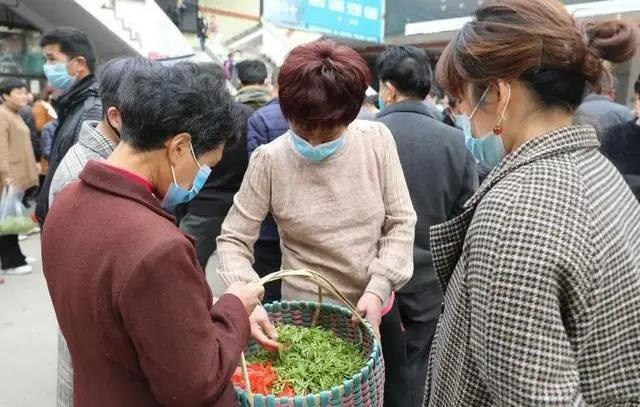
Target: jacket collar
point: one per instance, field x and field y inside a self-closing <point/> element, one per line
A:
<point x="77" y="94"/>
<point x="408" y="106"/>
<point x="8" y="109"/>
<point x="447" y="239"/>
<point x="596" y="98"/>
<point x="253" y="93"/>
<point x="92" y="139"/>
<point x="101" y="177"/>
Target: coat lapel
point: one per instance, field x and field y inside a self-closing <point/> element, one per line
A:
<point x="447" y="240"/>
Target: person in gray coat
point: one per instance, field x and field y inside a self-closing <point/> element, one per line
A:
<point x="599" y="109"/>
<point x="441" y="175"/>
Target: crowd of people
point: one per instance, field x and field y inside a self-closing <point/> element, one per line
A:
<point x="491" y="236"/>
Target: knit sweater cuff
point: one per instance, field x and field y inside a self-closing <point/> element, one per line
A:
<point x="380" y="286"/>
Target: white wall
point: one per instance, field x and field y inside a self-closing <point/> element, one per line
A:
<point x="142" y="25"/>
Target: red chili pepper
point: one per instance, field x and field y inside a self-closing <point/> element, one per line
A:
<point x="261" y="376"/>
<point x="286" y="392"/>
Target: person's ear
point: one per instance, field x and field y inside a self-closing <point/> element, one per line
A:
<point x="79" y="66"/>
<point x="503" y="90"/>
<point x="113" y="114"/>
<point x="392" y="92"/>
<point x="178" y="146"/>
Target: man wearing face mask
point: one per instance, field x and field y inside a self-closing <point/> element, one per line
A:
<point x="130" y="297"/>
<point x="441" y="176"/>
<point x="97" y="141"/>
<point x="69" y="67"/>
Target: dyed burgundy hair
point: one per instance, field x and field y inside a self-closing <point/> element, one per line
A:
<point x="322" y="85"/>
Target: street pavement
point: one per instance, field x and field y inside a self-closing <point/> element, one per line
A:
<point x="28" y="335"/>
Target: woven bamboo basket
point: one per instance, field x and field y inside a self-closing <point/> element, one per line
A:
<point x="364" y="389"/>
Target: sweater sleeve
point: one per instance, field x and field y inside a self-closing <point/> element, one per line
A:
<point x="4" y="148"/>
<point x="241" y="227"/>
<point x="187" y="348"/>
<point x="393" y="267"/>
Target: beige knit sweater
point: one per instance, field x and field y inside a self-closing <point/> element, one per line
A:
<point x="349" y="217"/>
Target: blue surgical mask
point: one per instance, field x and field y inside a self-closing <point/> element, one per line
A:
<point x="58" y="76"/>
<point x="177" y="195"/>
<point x="488" y="149"/>
<point x="317" y="153"/>
<point x="381" y="103"/>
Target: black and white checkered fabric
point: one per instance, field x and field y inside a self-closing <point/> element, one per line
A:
<point x="542" y="284"/>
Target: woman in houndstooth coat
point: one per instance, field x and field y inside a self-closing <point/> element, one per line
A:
<point x="541" y="274"/>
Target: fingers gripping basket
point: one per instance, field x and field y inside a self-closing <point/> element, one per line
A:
<point x="363" y="389"/>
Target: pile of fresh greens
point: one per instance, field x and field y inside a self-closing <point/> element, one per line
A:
<point x="312" y="360"/>
<point x="13" y="225"/>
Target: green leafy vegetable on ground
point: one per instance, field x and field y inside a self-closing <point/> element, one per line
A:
<point x="13" y="225"/>
<point x="312" y="360"/>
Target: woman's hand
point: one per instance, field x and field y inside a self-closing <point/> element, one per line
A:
<point x="263" y="330"/>
<point x="370" y="307"/>
<point x="248" y="293"/>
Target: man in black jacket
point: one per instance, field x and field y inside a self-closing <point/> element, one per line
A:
<point x="207" y="210"/>
<point x="441" y="175"/>
<point x="69" y="66"/>
<point x="621" y="145"/>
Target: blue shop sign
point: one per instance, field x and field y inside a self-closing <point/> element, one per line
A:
<point x="356" y="19"/>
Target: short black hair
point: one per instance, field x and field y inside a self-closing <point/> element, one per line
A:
<point x="9" y="84"/>
<point x="252" y="72"/>
<point x="407" y="68"/>
<point x="216" y="70"/>
<point x="637" y="86"/>
<point x="111" y="75"/>
<point x="158" y="103"/>
<point x="73" y="43"/>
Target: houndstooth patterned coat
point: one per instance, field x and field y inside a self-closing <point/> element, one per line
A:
<point x="541" y="276"/>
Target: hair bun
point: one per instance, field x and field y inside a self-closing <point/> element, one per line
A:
<point x="615" y="41"/>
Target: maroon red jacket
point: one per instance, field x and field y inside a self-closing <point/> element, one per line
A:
<point x="132" y="301"/>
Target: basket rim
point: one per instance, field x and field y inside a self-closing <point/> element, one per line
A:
<point x="372" y="362"/>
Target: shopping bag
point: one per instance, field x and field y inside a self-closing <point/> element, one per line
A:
<point x="14" y="218"/>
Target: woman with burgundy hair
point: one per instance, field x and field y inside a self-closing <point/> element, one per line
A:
<point x="334" y="186"/>
<point x="541" y="273"/>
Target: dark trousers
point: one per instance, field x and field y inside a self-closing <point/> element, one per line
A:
<point x="419" y="314"/>
<point x="10" y="254"/>
<point x="394" y="350"/>
<point x="268" y="258"/>
<point x="205" y="230"/>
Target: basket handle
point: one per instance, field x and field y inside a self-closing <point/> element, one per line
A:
<point x="322" y="282"/>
